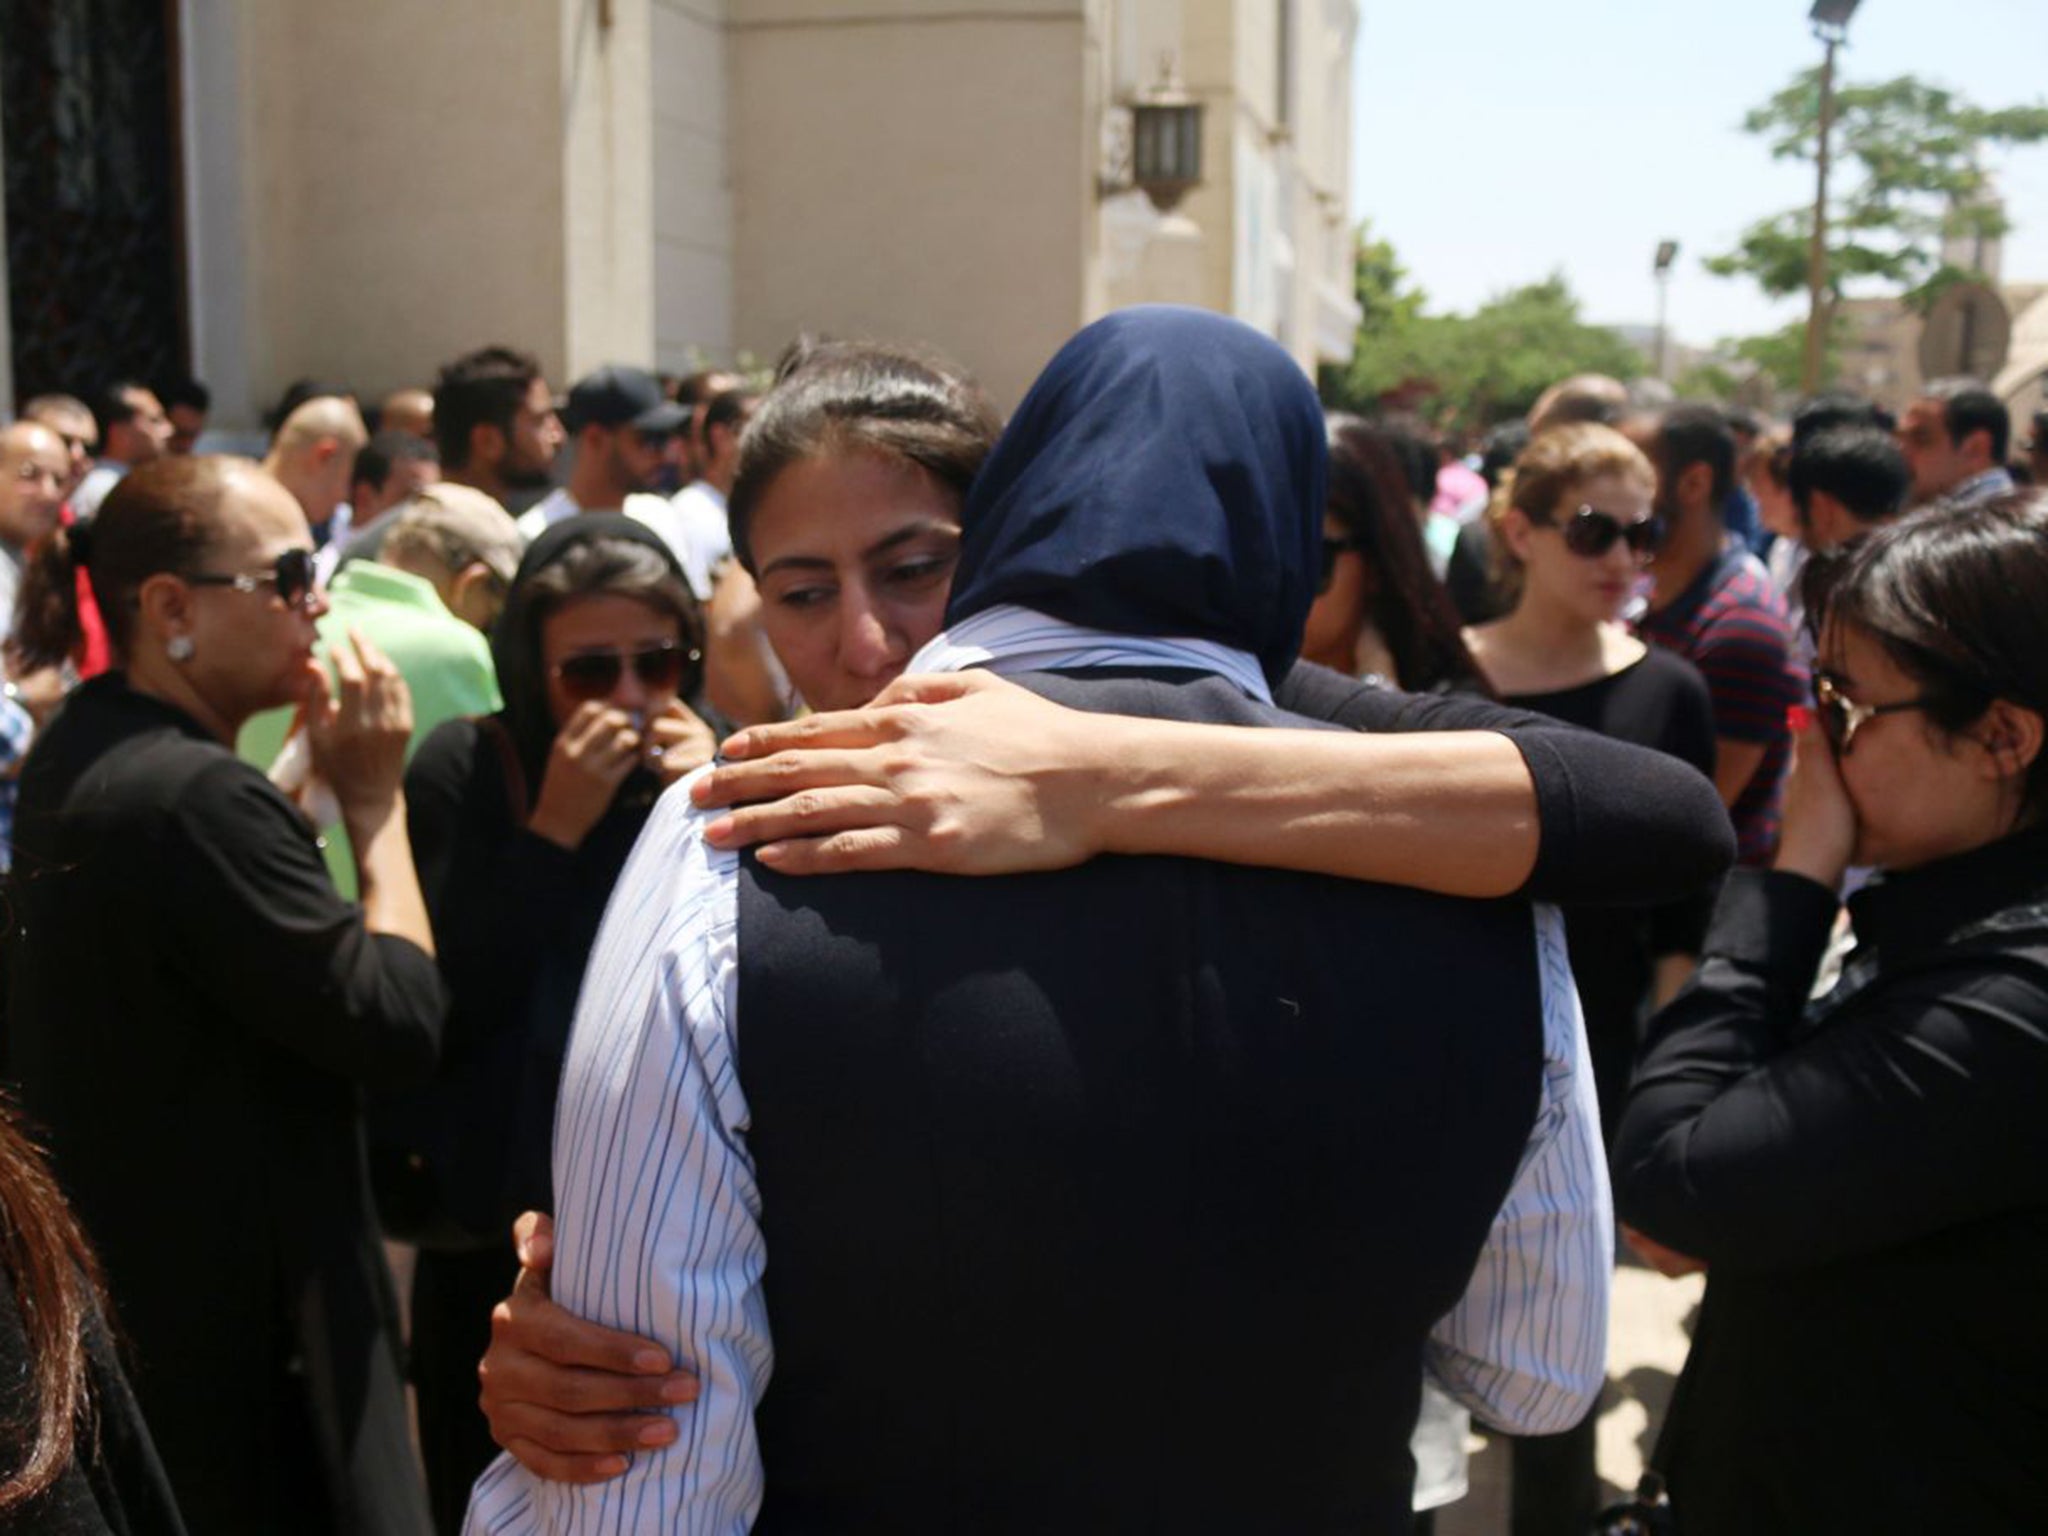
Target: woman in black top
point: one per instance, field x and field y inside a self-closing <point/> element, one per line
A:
<point x="192" y="1010"/>
<point x="1574" y="528"/>
<point x="1865" y="1178"/>
<point x="521" y="823"/>
<point x="75" y="1456"/>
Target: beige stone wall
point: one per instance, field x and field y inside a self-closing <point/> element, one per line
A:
<point x="693" y="193"/>
<point x="412" y="181"/>
<point x="912" y="169"/>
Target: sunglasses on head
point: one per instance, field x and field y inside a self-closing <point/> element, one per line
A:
<point x="592" y="675"/>
<point x="1591" y="532"/>
<point x="292" y="575"/>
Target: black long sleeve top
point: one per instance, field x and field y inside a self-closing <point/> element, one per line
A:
<point x="1622" y="825"/>
<point x="1868" y="1182"/>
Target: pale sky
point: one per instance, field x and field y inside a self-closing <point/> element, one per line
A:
<point x="1496" y="141"/>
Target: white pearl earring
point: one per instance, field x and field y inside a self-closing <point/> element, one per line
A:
<point x="179" y="647"/>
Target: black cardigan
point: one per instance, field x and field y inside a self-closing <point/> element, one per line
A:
<point x="1869" y="1185"/>
<point x="191" y="1013"/>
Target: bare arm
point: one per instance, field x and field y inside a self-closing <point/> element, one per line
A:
<point x="1735" y="764"/>
<point x="968" y="774"/>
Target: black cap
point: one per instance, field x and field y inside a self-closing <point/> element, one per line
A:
<point x="618" y="396"/>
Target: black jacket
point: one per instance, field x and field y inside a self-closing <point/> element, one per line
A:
<point x="1868" y="1181"/>
<point x="192" y="1013"/>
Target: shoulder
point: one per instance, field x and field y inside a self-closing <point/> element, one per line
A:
<point x="448" y="752"/>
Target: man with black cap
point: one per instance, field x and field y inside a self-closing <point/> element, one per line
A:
<point x="621" y="425"/>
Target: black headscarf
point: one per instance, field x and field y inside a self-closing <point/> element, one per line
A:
<point x="1163" y="477"/>
<point x="515" y="638"/>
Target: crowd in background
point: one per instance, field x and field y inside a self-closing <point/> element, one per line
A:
<point x="322" y="769"/>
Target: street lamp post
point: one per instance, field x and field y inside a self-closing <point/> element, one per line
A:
<point x="1667" y="252"/>
<point x="1830" y="20"/>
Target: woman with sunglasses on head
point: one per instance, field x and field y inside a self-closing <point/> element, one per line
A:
<point x="521" y="823"/>
<point x="1573" y="530"/>
<point x="193" y="1011"/>
<point x="1864" y="1177"/>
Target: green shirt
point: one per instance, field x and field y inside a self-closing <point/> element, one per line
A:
<point x="445" y="663"/>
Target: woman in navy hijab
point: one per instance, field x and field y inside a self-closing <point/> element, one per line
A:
<point x="1164" y="476"/>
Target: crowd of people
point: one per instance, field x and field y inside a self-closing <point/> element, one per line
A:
<point x="1401" y="877"/>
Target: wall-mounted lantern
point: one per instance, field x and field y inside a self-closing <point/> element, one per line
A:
<point x="1166" y="135"/>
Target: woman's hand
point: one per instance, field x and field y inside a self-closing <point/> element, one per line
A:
<point x="569" y="1399"/>
<point x="1819" y="836"/>
<point x="958" y="774"/>
<point x="678" y="742"/>
<point x="1668" y="1262"/>
<point x="591" y="757"/>
<point x="357" y="732"/>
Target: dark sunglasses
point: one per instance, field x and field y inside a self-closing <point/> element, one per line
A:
<point x="594" y="674"/>
<point x="1332" y="548"/>
<point x="1592" y="533"/>
<point x="293" y="577"/>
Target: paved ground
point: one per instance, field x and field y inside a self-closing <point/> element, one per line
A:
<point x="1650" y="1330"/>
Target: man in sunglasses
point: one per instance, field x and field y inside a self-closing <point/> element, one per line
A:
<point x="621" y="426"/>
<point x="440" y="579"/>
<point x="1713" y="603"/>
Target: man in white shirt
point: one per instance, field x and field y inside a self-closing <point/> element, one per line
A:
<point x="695" y="522"/>
<point x="33" y="468"/>
<point x="621" y="427"/>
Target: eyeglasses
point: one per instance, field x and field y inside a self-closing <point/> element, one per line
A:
<point x="1590" y="533"/>
<point x="1841" y="717"/>
<point x="592" y="675"/>
<point x="1332" y="548"/>
<point x="293" y="575"/>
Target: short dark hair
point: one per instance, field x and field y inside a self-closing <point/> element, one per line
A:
<point x="111" y="407"/>
<point x="1967" y="406"/>
<point x="1690" y="434"/>
<point x="484" y="388"/>
<point x="386" y="451"/>
<point x="728" y="410"/>
<point x="1838" y="408"/>
<point x="1860" y="466"/>
<point x="1957" y="597"/>
<point x="186" y="391"/>
<point x="862" y="397"/>
<point x="1500" y="447"/>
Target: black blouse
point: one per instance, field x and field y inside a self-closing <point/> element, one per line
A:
<point x="1868" y="1181"/>
<point x="192" y="1012"/>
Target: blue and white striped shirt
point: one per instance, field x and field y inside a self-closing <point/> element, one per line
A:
<point x="657" y="1213"/>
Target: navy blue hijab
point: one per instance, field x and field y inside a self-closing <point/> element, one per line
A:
<point x="1163" y="477"/>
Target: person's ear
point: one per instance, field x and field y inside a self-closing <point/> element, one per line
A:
<point x="166" y="605"/>
<point x="1516" y="533"/>
<point x="2011" y="737"/>
<point x="476" y="596"/>
<point x="486" y="444"/>
<point x="1694" y="486"/>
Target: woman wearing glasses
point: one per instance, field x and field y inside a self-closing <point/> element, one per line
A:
<point x="521" y="823"/>
<point x="193" y="1011"/>
<point x="1865" y="1177"/>
<point x="1573" y="533"/>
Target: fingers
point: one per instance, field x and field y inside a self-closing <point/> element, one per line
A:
<point x="530" y="1324"/>
<point x="939" y="687"/>
<point x="809" y="813"/>
<point x="787" y="773"/>
<point x="533" y="1239"/>
<point x="578" y="1448"/>
<point x="865" y="848"/>
<point x="351" y="682"/>
<point x="838" y="728"/>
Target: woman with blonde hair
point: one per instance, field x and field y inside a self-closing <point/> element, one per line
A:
<point x="1573" y="529"/>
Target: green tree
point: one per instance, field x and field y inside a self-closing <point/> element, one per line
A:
<point x="1907" y="170"/>
<point x="1469" y="370"/>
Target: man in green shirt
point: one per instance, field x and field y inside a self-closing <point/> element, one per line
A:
<point x="425" y="602"/>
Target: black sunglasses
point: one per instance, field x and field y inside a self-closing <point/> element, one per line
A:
<point x="1592" y="533"/>
<point x="594" y="674"/>
<point x="293" y="575"/>
<point x="1332" y="548"/>
<point x="1841" y="717"/>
